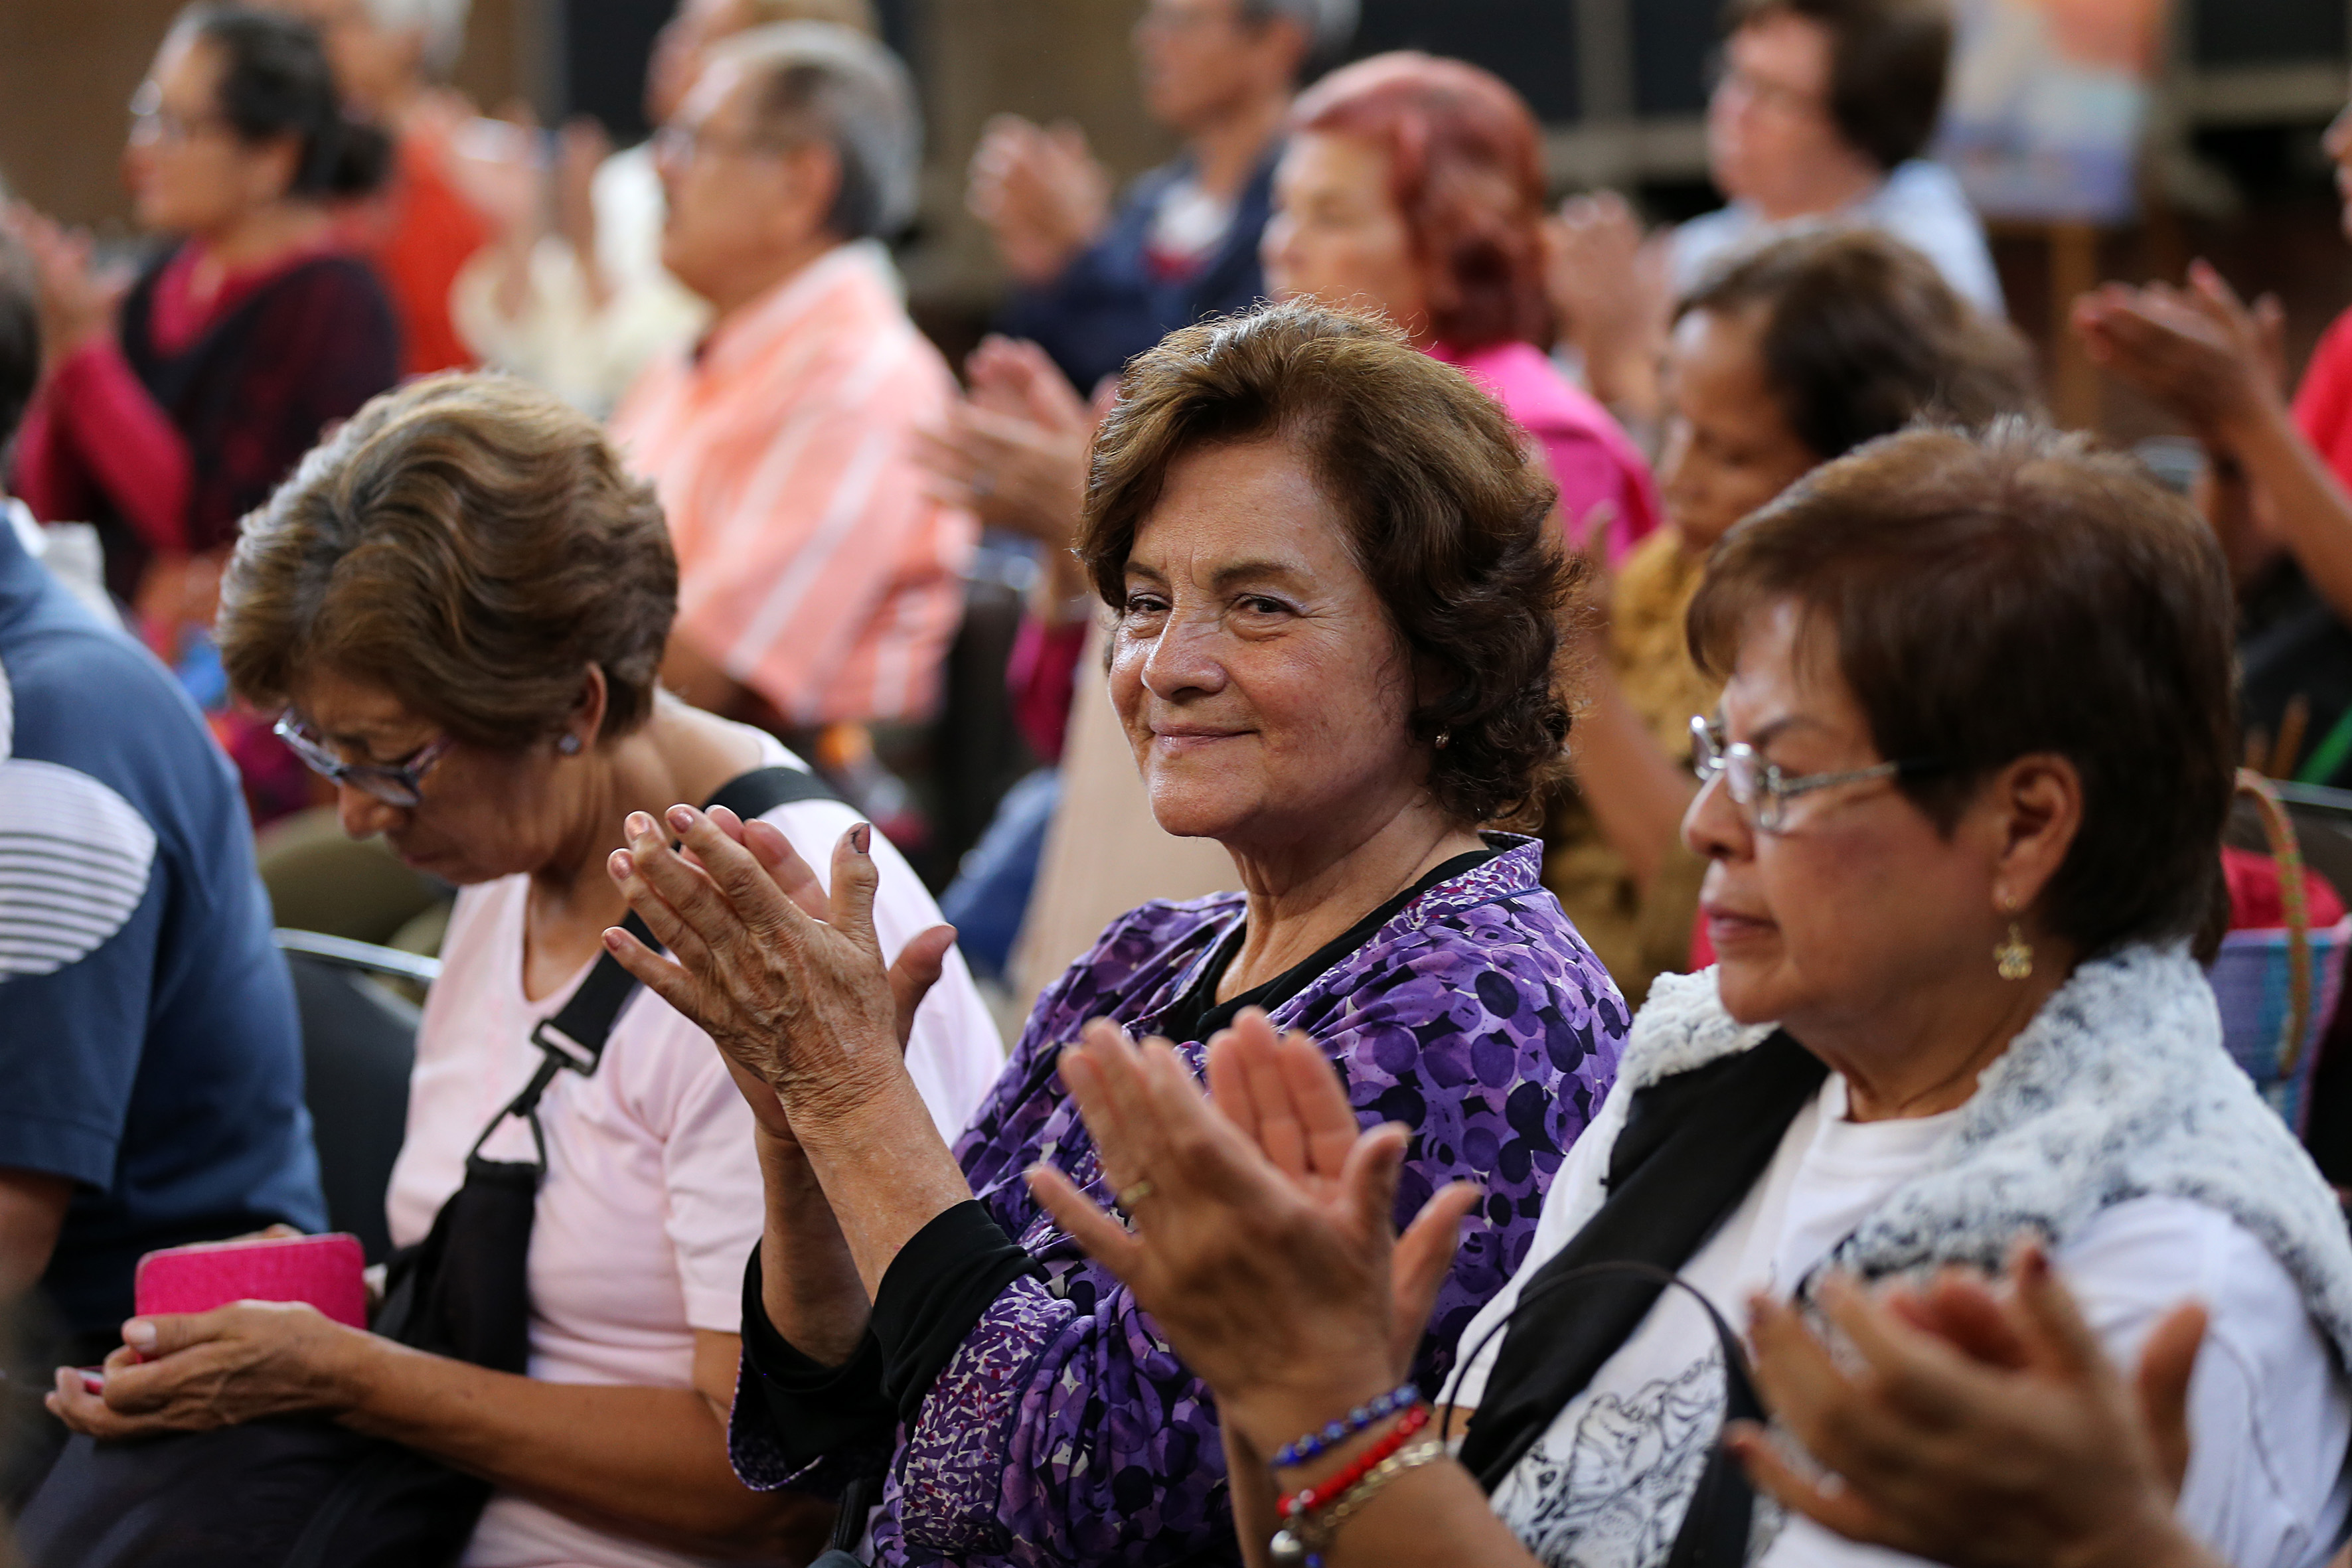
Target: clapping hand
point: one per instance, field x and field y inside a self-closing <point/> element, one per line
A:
<point x="787" y="979"/>
<point x="1978" y="1428"/>
<point x="76" y="304"/>
<point x="1014" y="450"/>
<point x="2212" y="359"/>
<point x="1041" y="191"/>
<point x="1265" y="1243"/>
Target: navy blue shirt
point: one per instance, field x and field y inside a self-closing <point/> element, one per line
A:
<point x="1110" y="304"/>
<point x="148" y="1048"/>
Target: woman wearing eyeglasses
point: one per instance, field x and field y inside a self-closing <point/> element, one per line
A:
<point x="1962" y="814"/>
<point x="460" y="602"/>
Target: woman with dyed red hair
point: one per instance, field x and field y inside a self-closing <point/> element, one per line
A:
<point x="1414" y="187"/>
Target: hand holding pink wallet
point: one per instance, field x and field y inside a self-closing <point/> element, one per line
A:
<point x="323" y="1270"/>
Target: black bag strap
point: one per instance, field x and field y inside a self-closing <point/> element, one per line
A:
<point x="573" y="1037"/>
<point x="1714" y="1530"/>
<point x="1692" y="1148"/>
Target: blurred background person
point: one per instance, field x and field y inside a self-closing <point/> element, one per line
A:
<point x="818" y="581"/>
<point x="167" y="415"/>
<point x="1820" y="112"/>
<point x="505" y="756"/>
<point x="1799" y="352"/>
<point x="573" y="294"/>
<point x="151" y="1063"/>
<point x="392" y="60"/>
<point x="1095" y="283"/>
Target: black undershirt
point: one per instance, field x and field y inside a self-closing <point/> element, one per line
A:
<point x="950" y="1271"/>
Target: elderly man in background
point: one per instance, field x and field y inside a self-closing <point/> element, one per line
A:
<point x="818" y="583"/>
<point x="1096" y="286"/>
<point x="1821" y="111"/>
<point x="573" y="295"/>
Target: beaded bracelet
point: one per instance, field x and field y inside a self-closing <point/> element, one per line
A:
<point x="1307" y="1500"/>
<point x="1315" y="1444"/>
<point x="1300" y="1543"/>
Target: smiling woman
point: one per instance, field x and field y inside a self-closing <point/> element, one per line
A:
<point x="1336" y="598"/>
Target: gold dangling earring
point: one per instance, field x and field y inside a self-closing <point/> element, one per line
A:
<point x="2013" y="958"/>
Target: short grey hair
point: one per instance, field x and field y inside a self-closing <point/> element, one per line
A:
<point x="1329" y="26"/>
<point x="817" y="81"/>
<point x="442" y="23"/>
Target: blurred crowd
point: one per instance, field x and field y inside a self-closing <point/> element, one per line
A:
<point x="1419" y="875"/>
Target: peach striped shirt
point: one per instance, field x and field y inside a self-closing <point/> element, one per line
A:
<point x="812" y="567"/>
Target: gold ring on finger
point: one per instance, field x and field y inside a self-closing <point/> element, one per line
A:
<point x="1131" y="1195"/>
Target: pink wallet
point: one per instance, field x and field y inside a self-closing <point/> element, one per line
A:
<point x="324" y="1270"/>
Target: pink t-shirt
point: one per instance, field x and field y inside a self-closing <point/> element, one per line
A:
<point x="653" y="1197"/>
<point x="1605" y="486"/>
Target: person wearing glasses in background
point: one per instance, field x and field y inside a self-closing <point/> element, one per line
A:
<point x="460" y="602"/>
<point x="151" y="1067"/>
<point x="1819" y="113"/>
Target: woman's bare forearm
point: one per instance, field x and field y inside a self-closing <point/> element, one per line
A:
<point x="884" y="1167"/>
<point x="2308" y="506"/>
<point x="1636" y="792"/>
<point x="651" y="1462"/>
<point x="808" y="1279"/>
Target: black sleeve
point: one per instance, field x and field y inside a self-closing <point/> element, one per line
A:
<point x="815" y="1410"/>
<point x="931" y="1298"/>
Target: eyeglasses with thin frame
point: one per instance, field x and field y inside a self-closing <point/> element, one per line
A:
<point x="1761" y="790"/>
<point x="151" y="123"/>
<point x="400" y="784"/>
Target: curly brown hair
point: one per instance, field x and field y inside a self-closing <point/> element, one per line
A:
<point x="470" y="545"/>
<point x="1446" y="513"/>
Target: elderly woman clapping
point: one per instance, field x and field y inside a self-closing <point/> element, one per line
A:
<point x="1336" y="603"/>
<point x="1963" y="808"/>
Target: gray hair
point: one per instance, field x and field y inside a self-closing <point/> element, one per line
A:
<point x="1329" y="26"/>
<point x="442" y="22"/>
<point x="818" y="81"/>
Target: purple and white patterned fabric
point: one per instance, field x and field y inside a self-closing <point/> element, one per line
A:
<point x="1064" y="1430"/>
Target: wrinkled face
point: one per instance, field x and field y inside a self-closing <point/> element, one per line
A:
<point x="1336" y="234"/>
<point x="725" y="184"/>
<point x="188" y="169"/>
<point x="480" y="815"/>
<point x="1857" y="900"/>
<point x="1255" y="671"/>
<point x="1769" y="128"/>
<point x="1728" y="447"/>
<point x="1195" y="57"/>
<point x="680" y="50"/>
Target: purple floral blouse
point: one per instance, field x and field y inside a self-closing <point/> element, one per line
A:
<point x="1065" y="1431"/>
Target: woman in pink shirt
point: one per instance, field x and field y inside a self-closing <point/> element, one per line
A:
<point x="1414" y="186"/>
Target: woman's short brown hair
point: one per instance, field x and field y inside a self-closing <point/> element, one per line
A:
<point x="468" y="543"/>
<point x="1443" y="510"/>
<point x="1888" y="62"/>
<point x="2014" y="592"/>
<point x="1465" y="168"/>
<point x="1861" y="335"/>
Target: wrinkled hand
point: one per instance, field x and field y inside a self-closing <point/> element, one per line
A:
<point x="2211" y="360"/>
<point x="787" y="979"/>
<point x="1041" y="191"/>
<point x="76" y="305"/>
<point x="1608" y="286"/>
<point x="1981" y="1430"/>
<point x="1265" y="1249"/>
<point x="197" y="1371"/>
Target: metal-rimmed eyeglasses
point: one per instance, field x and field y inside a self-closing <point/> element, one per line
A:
<point x="1761" y="790"/>
<point x="400" y="784"/>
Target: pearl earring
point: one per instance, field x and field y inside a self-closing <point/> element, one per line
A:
<point x="568" y="744"/>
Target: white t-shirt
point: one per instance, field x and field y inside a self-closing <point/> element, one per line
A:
<point x="1920" y="204"/>
<point x="1607" y="1486"/>
<point x="653" y="1198"/>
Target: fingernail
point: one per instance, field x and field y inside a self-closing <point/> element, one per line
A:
<point x="861" y="837"/>
<point x="612" y="938"/>
<point x="138" y="1334"/>
<point x="639" y="824"/>
<point x="624" y="864"/>
<point x="681" y="818"/>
